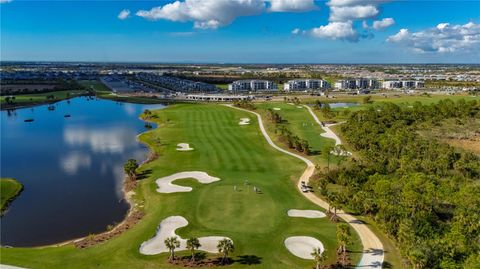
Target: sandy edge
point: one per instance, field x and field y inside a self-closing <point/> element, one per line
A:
<point x="165" y="184"/>
<point x="244" y="121"/>
<point x="184" y="147"/>
<point x="167" y="228"/>
<point x="311" y="214"/>
<point x="302" y="246"/>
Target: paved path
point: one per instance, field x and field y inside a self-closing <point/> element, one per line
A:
<point x="373" y="253"/>
<point x="328" y="132"/>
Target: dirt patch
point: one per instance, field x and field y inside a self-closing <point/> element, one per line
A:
<point x="133" y="218"/>
<point x="466" y="144"/>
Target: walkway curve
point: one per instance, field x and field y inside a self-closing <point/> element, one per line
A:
<point x="373" y="253"/>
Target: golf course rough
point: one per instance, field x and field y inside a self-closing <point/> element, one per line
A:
<point x="9" y="190"/>
<point x="256" y="222"/>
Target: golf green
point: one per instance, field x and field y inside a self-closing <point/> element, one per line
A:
<point x="257" y="222"/>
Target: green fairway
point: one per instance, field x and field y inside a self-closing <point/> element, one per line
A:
<point x="301" y="123"/>
<point x="9" y="189"/>
<point x="257" y="223"/>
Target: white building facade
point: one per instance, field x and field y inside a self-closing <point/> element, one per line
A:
<point x="252" y="85"/>
<point x="354" y="84"/>
<point x="403" y="84"/>
<point x="305" y="84"/>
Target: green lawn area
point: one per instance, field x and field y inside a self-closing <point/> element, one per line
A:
<point x="9" y="189"/>
<point x="222" y="86"/>
<point x="257" y="223"/>
<point x="41" y="98"/>
<point x="302" y="124"/>
<point x="403" y="99"/>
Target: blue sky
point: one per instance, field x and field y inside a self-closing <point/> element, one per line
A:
<point x="92" y="31"/>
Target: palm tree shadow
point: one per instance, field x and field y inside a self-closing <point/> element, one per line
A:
<point x="144" y="174"/>
<point x="249" y="259"/>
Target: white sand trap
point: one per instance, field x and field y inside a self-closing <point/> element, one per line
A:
<point x="292" y="104"/>
<point x="165" y="184"/>
<point x="299" y="107"/>
<point x="4" y="266"/>
<point x="184" y="147"/>
<point x="311" y="214"/>
<point x="277" y="108"/>
<point x="167" y="229"/>
<point x="302" y="246"/>
<point x="244" y="121"/>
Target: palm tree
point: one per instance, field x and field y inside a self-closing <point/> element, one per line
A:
<point x="225" y="246"/>
<point x="172" y="243"/>
<point x="130" y="168"/>
<point x="192" y="245"/>
<point x="319" y="257"/>
<point x="334" y="202"/>
<point x="327" y="152"/>
<point x="344" y="238"/>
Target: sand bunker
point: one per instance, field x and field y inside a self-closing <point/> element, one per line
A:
<point x="4" y="266"/>
<point x="165" y="184"/>
<point x="299" y="107"/>
<point x="244" y="121"/>
<point x="167" y="229"/>
<point x="311" y="214"/>
<point x="302" y="246"/>
<point x="184" y="147"/>
<point x="277" y="108"/>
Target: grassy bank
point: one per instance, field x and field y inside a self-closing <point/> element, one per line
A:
<point x="257" y="223"/>
<point x="9" y="190"/>
<point x="34" y="99"/>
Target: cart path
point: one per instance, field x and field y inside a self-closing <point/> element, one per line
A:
<point x="373" y="253"/>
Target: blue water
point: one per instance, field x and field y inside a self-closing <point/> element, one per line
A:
<point x="71" y="168"/>
<point x="342" y="105"/>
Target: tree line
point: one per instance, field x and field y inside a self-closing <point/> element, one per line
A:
<point x="286" y="135"/>
<point x="424" y="194"/>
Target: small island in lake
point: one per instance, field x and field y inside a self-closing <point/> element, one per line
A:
<point x="9" y="190"/>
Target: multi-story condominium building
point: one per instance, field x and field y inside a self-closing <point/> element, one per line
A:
<point x="305" y="84"/>
<point x="398" y="84"/>
<point x="360" y="83"/>
<point x="176" y="84"/>
<point x="252" y="85"/>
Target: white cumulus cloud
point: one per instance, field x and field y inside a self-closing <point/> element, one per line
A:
<point x="291" y="5"/>
<point x="383" y="24"/>
<point x="336" y="30"/>
<point x="296" y="31"/>
<point x="444" y="38"/>
<point x="205" y="13"/>
<point x="123" y="14"/>
<point x="343" y="16"/>
<point x="345" y="13"/>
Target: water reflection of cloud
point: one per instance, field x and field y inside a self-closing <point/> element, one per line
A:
<point x="74" y="161"/>
<point x="104" y="140"/>
<point x="130" y="109"/>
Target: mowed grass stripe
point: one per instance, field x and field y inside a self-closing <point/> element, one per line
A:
<point x="257" y="223"/>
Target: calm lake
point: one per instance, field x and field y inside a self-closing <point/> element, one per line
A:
<point x="71" y="168"/>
